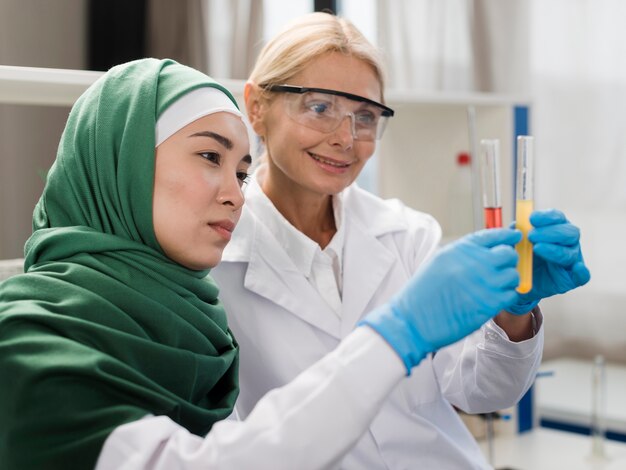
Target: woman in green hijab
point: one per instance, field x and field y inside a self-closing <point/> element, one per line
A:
<point x="106" y="326"/>
<point x="114" y="348"/>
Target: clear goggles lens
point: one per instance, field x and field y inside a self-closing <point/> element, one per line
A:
<point x="325" y="111"/>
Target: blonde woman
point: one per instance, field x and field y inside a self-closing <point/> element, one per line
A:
<point x="314" y="253"/>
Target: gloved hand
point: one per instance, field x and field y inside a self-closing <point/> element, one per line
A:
<point x="558" y="264"/>
<point x="460" y="288"/>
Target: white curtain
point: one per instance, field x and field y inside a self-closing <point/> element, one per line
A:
<point x="426" y="43"/>
<point x="455" y="45"/>
<point x="500" y="45"/>
<point x="175" y="30"/>
<point x="579" y="86"/>
<point x="234" y="33"/>
<point x="219" y="37"/>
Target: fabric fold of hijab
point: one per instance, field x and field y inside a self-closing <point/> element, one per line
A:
<point x="104" y="328"/>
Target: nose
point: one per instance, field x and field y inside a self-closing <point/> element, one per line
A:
<point x="231" y="194"/>
<point x="345" y="134"/>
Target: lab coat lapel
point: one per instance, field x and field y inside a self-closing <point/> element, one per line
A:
<point x="366" y="263"/>
<point x="272" y="274"/>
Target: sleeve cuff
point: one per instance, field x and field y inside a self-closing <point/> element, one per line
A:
<point x="496" y="339"/>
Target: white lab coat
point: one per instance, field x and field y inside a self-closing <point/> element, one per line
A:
<point x="283" y="326"/>
<point x="289" y="427"/>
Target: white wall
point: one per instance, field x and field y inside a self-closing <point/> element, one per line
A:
<point x="35" y="33"/>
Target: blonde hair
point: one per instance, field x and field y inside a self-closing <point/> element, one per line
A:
<point x="306" y="38"/>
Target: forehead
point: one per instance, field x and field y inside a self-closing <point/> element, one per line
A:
<point x="337" y="71"/>
<point x="224" y="122"/>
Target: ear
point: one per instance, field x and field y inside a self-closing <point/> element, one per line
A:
<point x="256" y="107"/>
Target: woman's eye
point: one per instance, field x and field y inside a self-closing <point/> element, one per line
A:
<point x="366" y="117"/>
<point x="213" y="157"/>
<point x="243" y="177"/>
<point x="318" y="108"/>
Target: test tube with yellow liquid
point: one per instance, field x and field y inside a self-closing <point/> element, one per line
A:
<point x="524" y="206"/>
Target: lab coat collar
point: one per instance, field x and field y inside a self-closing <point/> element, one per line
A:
<point x="300" y="248"/>
<point x="272" y="274"/>
<point x="366" y="263"/>
<point x="367" y="260"/>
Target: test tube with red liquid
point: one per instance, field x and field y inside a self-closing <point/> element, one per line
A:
<point x="490" y="169"/>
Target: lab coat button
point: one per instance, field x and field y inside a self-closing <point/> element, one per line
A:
<point x="491" y="335"/>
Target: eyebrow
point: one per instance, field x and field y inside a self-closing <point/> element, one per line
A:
<point x="224" y="141"/>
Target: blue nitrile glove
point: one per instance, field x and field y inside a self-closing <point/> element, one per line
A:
<point x="460" y="288"/>
<point x="558" y="264"/>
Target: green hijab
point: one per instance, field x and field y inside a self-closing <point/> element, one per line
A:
<point x="103" y="328"/>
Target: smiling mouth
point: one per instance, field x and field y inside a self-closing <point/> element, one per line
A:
<point x="325" y="161"/>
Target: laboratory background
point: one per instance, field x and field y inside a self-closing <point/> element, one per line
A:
<point x="459" y="72"/>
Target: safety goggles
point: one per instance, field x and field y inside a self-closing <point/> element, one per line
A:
<point x="324" y="110"/>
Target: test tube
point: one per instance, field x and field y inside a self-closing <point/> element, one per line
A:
<point x="490" y="170"/>
<point x="524" y="206"/>
<point x="598" y="406"/>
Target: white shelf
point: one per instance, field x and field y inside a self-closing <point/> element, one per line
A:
<point x="48" y="86"/>
<point x="411" y="97"/>
<point x="56" y="87"/>
<point x="43" y="86"/>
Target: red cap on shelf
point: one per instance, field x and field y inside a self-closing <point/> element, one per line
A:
<point x="463" y="158"/>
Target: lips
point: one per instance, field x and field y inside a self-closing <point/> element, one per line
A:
<point x="223" y="227"/>
<point x="225" y="224"/>
<point x="328" y="161"/>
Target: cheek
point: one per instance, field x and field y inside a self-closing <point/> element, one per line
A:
<point x="179" y="198"/>
<point x="364" y="150"/>
<point x="237" y="215"/>
<point x="167" y="191"/>
<point x="163" y="207"/>
<point x="284" y="133"/>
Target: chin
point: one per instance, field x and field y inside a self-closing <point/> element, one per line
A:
<point x="202" y="264"/>
<point x="336" y="187"/>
